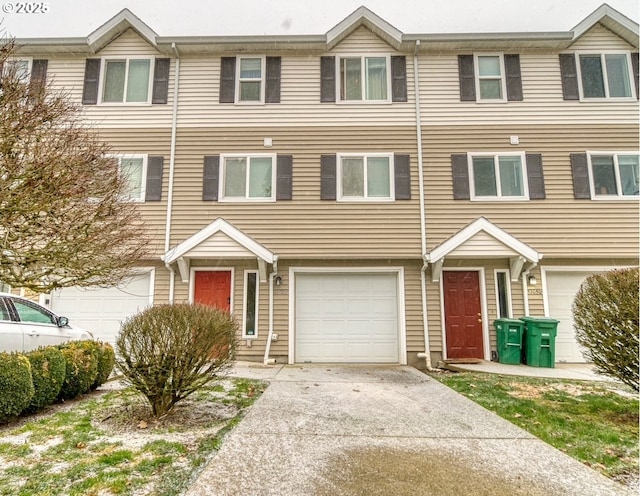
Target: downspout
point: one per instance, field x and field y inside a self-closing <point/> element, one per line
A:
<point x="267" y="348"/>
<point x="423" y="227"/>
<point x="172" y="163"/>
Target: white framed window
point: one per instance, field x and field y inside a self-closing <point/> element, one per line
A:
<point x="498" y="176"/>
<point x="490" y="77"/>
<point x="22" y="67"/>
<point x="134" y="169"/>
<point x="251" y="304"/>
<point x="126" y="80"/>
<point x="364" y="78"/>
<point x="247" y="177"/>
<point x="250" y="79"/>
<point x="613" y="175"/>
<point x="606" y="75"/>
<point x="365" y="177"/>
<point x="503" y="293"/>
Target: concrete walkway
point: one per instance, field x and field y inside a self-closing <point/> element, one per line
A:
<point x="574" y="371"/>
<point x="365" y="430"/>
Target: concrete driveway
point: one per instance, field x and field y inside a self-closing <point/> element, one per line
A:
<point x="371" y="430"/>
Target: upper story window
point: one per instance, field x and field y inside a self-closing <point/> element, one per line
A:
<point x="134" y="170"/>
<point x="364" y="79"/>
<point x="613" y="175"/>
<point x="22" y="68"/>
<point x="365" y="177"/>
<point x="247" y="178"/>
<point x="498" y="176"/>
<point x="605" y="75"/>
<point x="251" y="79"/>
<point x="490" y="77"/>
<point x="357" y="78"/>
<point x="490" y="81"/>
<point x="126" y="80"/>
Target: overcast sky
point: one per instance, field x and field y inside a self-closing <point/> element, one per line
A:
<point x="66" y="18"/>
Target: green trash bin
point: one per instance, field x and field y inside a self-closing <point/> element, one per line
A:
<point x="509" y="336"/>
<point x="540" y="341"/>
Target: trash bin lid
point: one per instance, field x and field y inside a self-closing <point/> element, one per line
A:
<point x="542" y="320"/>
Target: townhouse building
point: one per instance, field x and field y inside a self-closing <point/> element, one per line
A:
<point x="363" y="195"/>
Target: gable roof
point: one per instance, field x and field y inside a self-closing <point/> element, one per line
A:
<point x="611" y="19"/>
<point x="361" y="17"/>
<point x="483" y="225"/>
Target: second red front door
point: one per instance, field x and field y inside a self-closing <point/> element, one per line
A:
<point x="462" y="314"/>
<point x="213" y="288"/>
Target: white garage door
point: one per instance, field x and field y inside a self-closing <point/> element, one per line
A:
<point x="561" y="290"/>
<point x="346" y="317"/>
<point x="102" y="310"/>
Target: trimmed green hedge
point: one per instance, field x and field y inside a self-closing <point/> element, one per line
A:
<point x="106" y="362"/>
<point x="81" y="368"/>
<point x="48" y="370"/>
<point x="16" y="385"/>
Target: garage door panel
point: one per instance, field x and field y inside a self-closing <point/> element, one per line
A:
<point x="346" y="317"/>
<point x="102" y="310"/>
<point x="561" y="290"/>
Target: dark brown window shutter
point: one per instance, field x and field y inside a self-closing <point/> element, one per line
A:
<point x="210" y="178"/>
<point x="39" y="71"/>
<point x="580" y="173"/>
<point x="535" y="176"/>
<point x="569" y="76"/>
<point x="402" y="176"/>
<point x="327" y="79"/>
<point x="154" y="179"/>
<point x="399" y="78"/>
<point x="161" y="81"/>
<point x="91" y="81"/>
<point x="636" y="77"/>
<point x="284" y="177"/>
<point x="460" y="173"/>
<point x="328" y="177"/>
<point x="227" y="79"/>
<point x="272" y="83"/>
<point x="513" y="77"/>
<point x="467" y="79"/>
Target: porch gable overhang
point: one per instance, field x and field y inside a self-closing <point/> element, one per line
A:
<point x="183" y="253"/>
<point x="516" y="251"/>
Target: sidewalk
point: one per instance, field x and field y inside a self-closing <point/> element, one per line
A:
<point x="575" y="371"/>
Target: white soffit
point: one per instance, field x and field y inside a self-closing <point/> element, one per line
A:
<point x="481" y="224"/>
<point x="218" y="246"/>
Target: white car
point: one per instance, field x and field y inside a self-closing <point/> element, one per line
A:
<point x="25" y="325"/>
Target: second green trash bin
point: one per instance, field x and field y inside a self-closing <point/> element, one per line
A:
<point x="509" y="336"/>
<point x="540" y="341"/>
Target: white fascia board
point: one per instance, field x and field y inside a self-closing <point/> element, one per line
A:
<point x="117" y="25"/>
<point x="218" y="225"/>
<point x="362" y="16"/>
<point x="612" y="20"/>
<point x="482" y="224"/>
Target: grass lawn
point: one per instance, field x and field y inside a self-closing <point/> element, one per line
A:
<point x="107" y="442"/>
<point x="586" y="420"/>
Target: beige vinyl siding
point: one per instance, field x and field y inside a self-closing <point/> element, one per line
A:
<point x="300" y="104"/>
<point x="66" y="73"/>
<point x="153" y="142"/>
<point x="541" y="86"/>
<point x="306" y="227"/>
<point x="559" y="226"/>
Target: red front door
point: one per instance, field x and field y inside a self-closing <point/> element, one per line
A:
<point x="462" y="314"/>
<point x="213" y="288"/>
